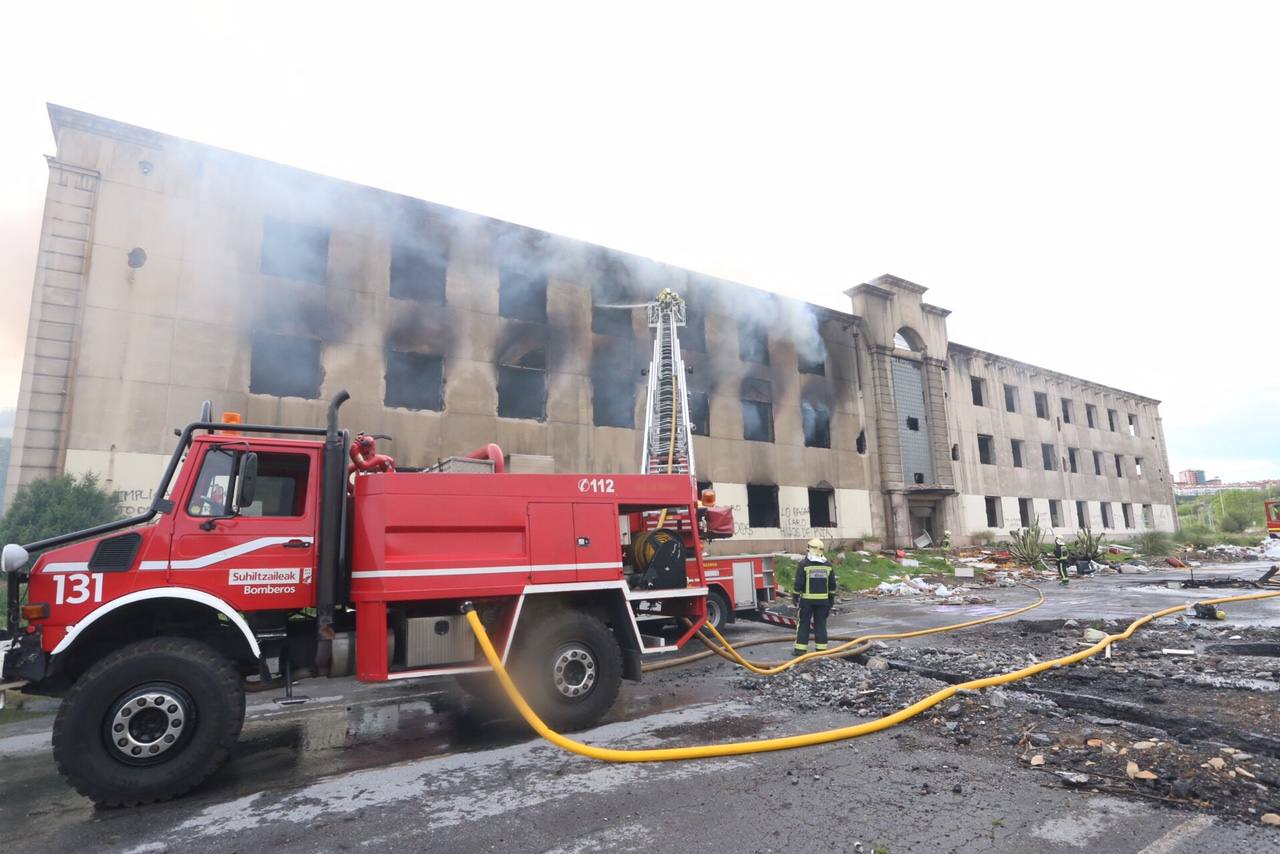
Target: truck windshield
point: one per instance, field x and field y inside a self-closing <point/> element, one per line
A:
<point x="213" y="484"/>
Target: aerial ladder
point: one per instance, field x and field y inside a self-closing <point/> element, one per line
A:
<point x="667" y="430"/>
<point x="739" y="585"/>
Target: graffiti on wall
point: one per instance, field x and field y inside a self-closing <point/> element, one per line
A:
<point x="133" y="502"/>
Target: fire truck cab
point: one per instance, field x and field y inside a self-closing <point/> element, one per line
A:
<point x="278" y="553"/>
<point x="1272" y="508"/>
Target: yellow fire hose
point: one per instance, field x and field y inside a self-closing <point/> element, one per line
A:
<point x="826" y="653"/>
<point x="714" y="649"/>
<point x="738" y="748"/>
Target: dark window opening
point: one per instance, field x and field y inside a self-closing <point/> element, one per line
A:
<point x="1127" y="511"/>
<point x="757" y="410"/>
<point x="918" y="477"/>
<point x="693" y="335"/>
<point x="1024" y="512"/>
<point x="753" y="343"/>
<point x="522" y="294"/>
<point x="1119" y="465"/>
<point x="1042" y="405"/>
<point x="1049" y="456"/>
<point x="861" y="443"/>
<point x="1067" y="411"/>
<point x="1112" y="415"/>
<point x="1016" y="445"/>
<point x="614" y="382"/>
<point x="1133" y="425"/>
<point x="1091" y="414"/>
<point x="762" y="505"/>
<point x="418" y="272"/>
<point x="1107" y="521"/>
<point x="1010" y="398"/>
<point x="1097" y="462"/>
<point x="285" y="366"/>
<point x="414" y="381"/>
<point x="1148" y="516"/>
<point x="292" y="250"/>
<point x="700" y="413"/>
<point x="822" y="508"/>
<point x="522" y="387"/>
<point x="608" y="320"/>
<point x="817" y="364"/>
<point x="1137" y="466"/>
<point x="986" y="450"/>
<point x="955" y="452"/>
<point x="1082" y="515"/>
<point x="978" y="386"/>
<point x="1055" y="513"/>
<point x="913" y="423"/>
<point x="995" y="518"/>
<point x="1073" y="460"/>
<point x="817" y="425"/>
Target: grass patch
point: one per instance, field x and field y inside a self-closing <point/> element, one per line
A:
<point x="862" y="572"/>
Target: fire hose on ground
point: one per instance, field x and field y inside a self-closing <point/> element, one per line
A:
<point x="849" y="647"/>
<point x="738" y="748"/>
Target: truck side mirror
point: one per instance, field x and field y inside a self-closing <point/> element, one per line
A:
<point x="247" y="481"/>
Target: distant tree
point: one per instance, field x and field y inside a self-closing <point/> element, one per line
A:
<point x="56" y="505"/>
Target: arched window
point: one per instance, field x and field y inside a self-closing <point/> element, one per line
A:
<point x="906" y="338"/>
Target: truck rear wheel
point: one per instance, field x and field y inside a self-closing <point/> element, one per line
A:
<point x="571" y="672"/>
<point x="717" y="608"/>
<point x="148" y="722"/>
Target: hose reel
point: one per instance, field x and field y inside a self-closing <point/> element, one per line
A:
<point x="659" y="560"/>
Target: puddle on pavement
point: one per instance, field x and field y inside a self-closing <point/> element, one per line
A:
<point x="304" y="743"/>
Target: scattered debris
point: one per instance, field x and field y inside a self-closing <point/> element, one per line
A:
<point x="1198" y="726"/>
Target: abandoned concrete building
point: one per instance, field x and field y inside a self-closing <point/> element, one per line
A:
<point x="170" y="273"/>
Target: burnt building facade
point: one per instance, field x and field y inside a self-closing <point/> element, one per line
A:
<point x="170" y="273"/>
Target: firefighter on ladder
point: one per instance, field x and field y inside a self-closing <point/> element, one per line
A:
<point x="814" y="593"/>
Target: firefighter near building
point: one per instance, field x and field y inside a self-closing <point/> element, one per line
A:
<point x="276" y="553"/>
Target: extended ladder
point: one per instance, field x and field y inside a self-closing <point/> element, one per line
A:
<point x="667" y="429"/>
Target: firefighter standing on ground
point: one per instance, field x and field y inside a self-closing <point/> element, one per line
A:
<point x="1059" y="553"/>
<point x="814" y="593"/>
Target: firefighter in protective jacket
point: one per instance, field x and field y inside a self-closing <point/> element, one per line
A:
<point x="814" y="593"/>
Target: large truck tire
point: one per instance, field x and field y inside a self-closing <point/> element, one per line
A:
<point x="148" y="722"/>
<point x="571" y="671"/>
<point x="718" y="609"/>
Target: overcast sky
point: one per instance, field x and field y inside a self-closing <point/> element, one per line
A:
<point x="1091" y="187"/>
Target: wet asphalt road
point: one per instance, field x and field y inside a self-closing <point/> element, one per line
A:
<point x="405" y="767"/>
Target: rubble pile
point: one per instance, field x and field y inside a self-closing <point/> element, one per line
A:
<point x="1185" y="713"/>
<point x="870" y="690"/>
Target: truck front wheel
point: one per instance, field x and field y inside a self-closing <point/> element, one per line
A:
<point x="148" y="722"/>
<point x="572" y="671"/>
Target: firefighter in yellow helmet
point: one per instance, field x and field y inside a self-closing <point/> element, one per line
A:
<point x="814" y="593"/>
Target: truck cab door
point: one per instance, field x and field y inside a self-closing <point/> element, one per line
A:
<point x="258" y="554"/>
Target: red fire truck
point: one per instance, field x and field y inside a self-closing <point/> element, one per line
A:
<point x="1272" y="507"/>
<point x="263" y="561"/>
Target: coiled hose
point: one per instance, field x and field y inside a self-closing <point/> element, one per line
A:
<point x="738" y="748"/>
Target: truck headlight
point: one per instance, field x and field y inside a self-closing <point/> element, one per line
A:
<point x="13" y="558"/>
